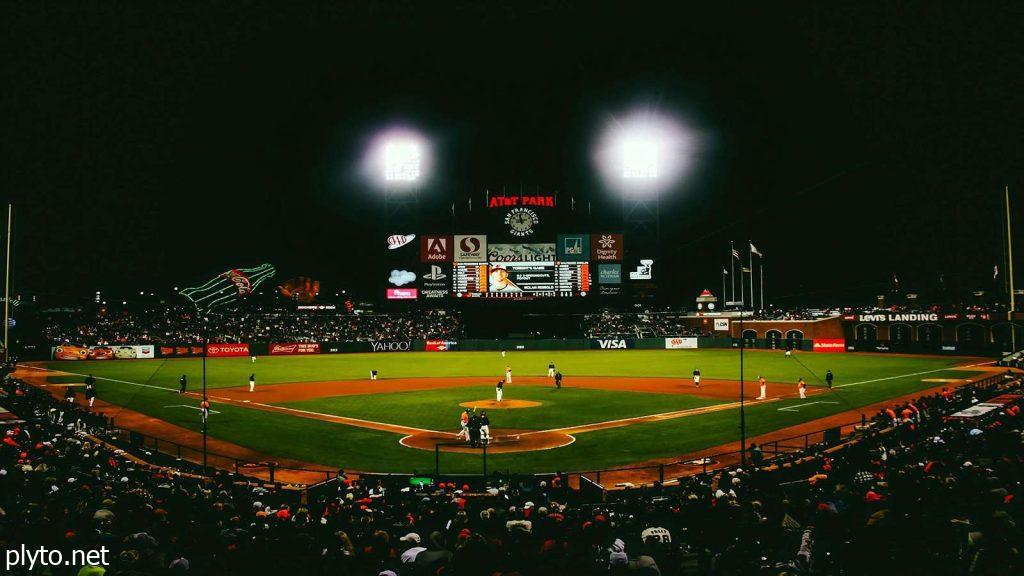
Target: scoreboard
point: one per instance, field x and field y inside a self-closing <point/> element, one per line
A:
<point x="483" y="266"/>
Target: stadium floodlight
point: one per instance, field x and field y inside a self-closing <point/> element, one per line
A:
<point x="396" y="158"/>
<point x="401" y="161"/>
<point x="644" y="151"/>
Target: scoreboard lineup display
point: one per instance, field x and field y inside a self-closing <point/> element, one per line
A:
<point x="518" y="255"/>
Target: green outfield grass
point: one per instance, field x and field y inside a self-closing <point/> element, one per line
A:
<point x="439" y="409"/>
<point x="148" y="386"/>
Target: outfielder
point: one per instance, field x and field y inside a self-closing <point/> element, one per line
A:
<point x="508" y="374"/>
<point x="498" y="389"/>
<point x="253" y="358"/>
<point x="551" y="370"/>
<point x="373" y="374"/>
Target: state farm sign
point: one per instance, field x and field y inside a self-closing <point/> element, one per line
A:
<point x="829" y="345"/>
<point x="215" y="350"/>
<point x="295" y="348"/>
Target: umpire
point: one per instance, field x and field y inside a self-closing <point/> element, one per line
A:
<point x="474" y="429"/>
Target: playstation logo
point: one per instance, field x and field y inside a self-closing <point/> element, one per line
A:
<point x="435" y="273"/>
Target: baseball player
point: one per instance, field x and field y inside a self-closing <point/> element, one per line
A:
<point x="558" y="379"/>
<point x="508" y="374"/>
<point x="464" y="422"/>
<point x="252" y="382"/>
<point x="498" y="388"/>
<point x="90" y="394"/>
<point x="551" y="369"/>
<point x="502" y="353"/>
<point x="828" y="378"/>
<point x="204" y="409"/>
<point x="373" y="374"/>
<point x="253" y="358"/>
<point x="696" y="377"/>
<point x="485" y="428"/>
<point x="802" y="387"/>
<point x="764" y="387"/>
<point x="69" y="395"/>
<point x="182" y="384"/>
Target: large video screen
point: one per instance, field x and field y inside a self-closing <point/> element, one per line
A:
<point x="484" y="267"/>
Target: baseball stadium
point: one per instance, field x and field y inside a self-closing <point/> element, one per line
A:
<point x="729" y="302"/>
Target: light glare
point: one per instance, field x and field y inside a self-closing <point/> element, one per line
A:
<point x="401" y="161"/>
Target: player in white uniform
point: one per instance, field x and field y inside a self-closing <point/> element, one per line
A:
<point x="551" y="370"/>
<point x="764" y="387"/>
<point x="252" y="382"/>
<point x="253" y="358"/>
<point x="499" y="388"/>
<point x="696" y="377"/>
<point x="508" y="374"/>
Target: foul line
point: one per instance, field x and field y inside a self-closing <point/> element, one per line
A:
<point x="796" y="407"/>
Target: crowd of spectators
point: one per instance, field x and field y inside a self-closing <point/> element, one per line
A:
<point x="611" y="324"/>
<point x="926" y="496"/>
<point x="182" y="325"/>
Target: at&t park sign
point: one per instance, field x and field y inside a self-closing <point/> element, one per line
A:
<point x="541" y="200"/>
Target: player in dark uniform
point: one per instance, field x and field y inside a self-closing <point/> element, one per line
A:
<point x="90" y="381"/>
<point x="90" y="394"/>
<point x="828" y="378"/>
<point x="696" y="377"/>
<point x="558" y="379"/>
<point x="474" y="430"/>
<point x="182" y="384"/>
<point x="485" y="428"/>
<point x="69" y="395"/>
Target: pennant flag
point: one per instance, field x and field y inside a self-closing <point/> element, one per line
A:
<point x="735" y="253"/>
<point x="724" y="271"/>
<point x="744" y="268"/>
<point x="995" y="272"/>
<point x="753" y="250"/>
<point x="233" y="284"/>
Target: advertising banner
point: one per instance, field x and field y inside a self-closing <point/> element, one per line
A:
<point x="829" y="345"/>
<point x="220" y="350"/>
<point x="102" y="352"/>
<point x="391" y="345"/>
<point x="435" y="281"/>
<point x="521" y="252"/>
<point x="611" y="344"/>
<point x="402" y="293"/>
<point x="573" y="247"/>
<point x="680" y="343"/>
<point x="181" y="351"/>
<point x="440" y="345"/>
<point x="436" y="248"/>
<point x="606" y="247"/>
<point x="722" y="324"/>
<point x="277" y="349"/>
<point x="470" y="248"/>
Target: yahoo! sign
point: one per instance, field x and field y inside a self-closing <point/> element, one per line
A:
<point x="392" y="346"/>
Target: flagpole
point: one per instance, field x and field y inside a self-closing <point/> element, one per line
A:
<point x="732" y="266"/>
<point x="762" y="284"/>
<point x="206" y="417"/>
<point x="7" y="285"/>
<point x="751" y="248"/>
<point x="723" y="288"/>
<point x="1009" y="249"/>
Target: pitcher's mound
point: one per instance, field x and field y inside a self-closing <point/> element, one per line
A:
<point x="504" y="404"/>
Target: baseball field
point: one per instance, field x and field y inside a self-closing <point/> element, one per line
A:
<point x="615" y="407"/>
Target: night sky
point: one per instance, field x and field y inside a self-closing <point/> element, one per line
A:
<point x="152" y="145"/>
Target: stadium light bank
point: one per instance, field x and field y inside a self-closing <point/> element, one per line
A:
<point x="397" y="158"/>
<point x="644" y="152"/>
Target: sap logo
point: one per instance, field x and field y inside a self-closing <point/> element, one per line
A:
<point x="612" y="344"/>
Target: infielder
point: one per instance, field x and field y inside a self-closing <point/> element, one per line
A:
<point x="802" y="387"/>
<point x="696" y="377"/>
<point x="204" y="409"/>
<point x="373" y="374"/>
<point x="498" y="389"/>
<point x="508" y="374"/>
<point x="764" y="387"/>
<point x="551" y="370"/>
<point x="252" y="382"/>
